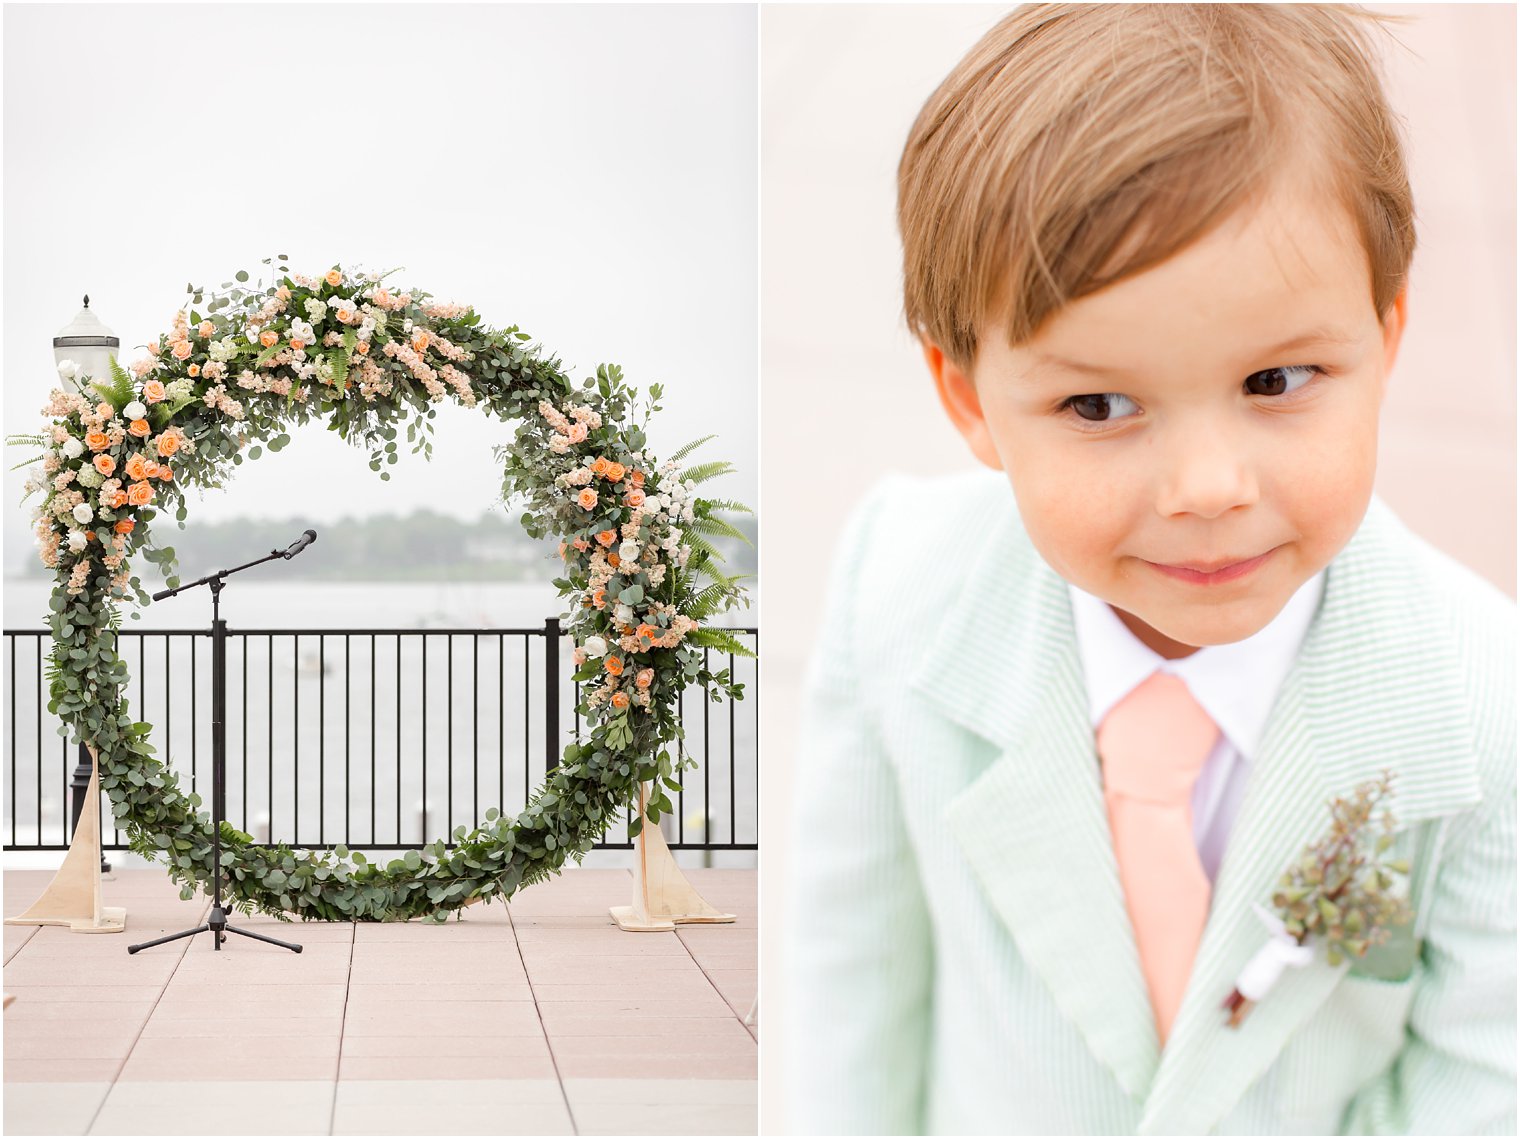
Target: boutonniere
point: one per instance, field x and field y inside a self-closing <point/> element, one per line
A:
<point x="1339" y="889"/>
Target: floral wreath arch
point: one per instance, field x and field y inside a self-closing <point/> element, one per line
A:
<point x="639" y="570"/>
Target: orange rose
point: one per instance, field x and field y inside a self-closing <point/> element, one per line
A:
<point x="269" y="338"/>
<point x="607" y="538"/>
<point x="168" y="443"/>
<point x="153" y="391"/>
<point x="182" y="349"/>
<point x="105" y="410"/>
<point x="165" y="473"/>
<point x="600" y="466"/>
<point x="614" y="665"/>
<point x="613" y="560"/>
<point x="620" y="699"/>
<point x="635" y="498"/>
<point x="89" y="535"/>
<point x="334" y="278"/>
<point x="615" y="471"/>
<point x="135" y="465"/>
<point x="194" y="370"/>
<point x="140" y="494"/>
<point x="105" y="464"/>
<point x="150" y="469"/>
<point x="586" y="498"/>
<point x="562" y="548"/>
<point x="97" y="440"/>
<point x="118" y="500"/>
<point x="599" y="598"/>
<point x="647" y="631"/>
<point x="420" y="340"/>
<point x="581" y="544"/>
<point x="140" y="428"/>
<point x="297" y="344"/>
<point x="206" y="329"/>
<point x="645" y="677"/>
<point x="124" y="526"/>
<point x="637" y="477"/>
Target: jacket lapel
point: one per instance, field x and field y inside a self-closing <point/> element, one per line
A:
<point x="1376" y="684"/>
<point x="1033" y="825"/>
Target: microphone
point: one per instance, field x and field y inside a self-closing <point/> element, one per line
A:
<point x="300" y="544"/>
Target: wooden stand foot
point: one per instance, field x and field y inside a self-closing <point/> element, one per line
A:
<point x="662" y="897"/>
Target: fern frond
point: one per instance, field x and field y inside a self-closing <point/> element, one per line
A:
<point x="725" y="504"/>
<point x="690" y="447"/>
<point x="704" y="471"/>
<point x="707" y="524"/>
<point x="722" y="640"/>
<point x="120" y="391"/>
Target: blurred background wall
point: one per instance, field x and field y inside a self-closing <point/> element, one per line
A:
<point x="847" y="398"/>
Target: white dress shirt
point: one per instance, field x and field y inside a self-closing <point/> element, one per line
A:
<point x="1237" y="685"/>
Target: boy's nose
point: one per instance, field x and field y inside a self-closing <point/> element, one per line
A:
<point x="1206" y="472"/>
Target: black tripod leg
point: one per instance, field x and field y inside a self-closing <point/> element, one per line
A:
<point x="261" y="937"/>
<point x="171" y="937"/>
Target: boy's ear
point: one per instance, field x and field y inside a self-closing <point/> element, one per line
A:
<point x="1393" y="332"/>
<point x="958" y="395"/>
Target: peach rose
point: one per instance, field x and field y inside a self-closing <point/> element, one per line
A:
<point x="105" y="410"/>
<point x="206" y="329"/>
<point x="647" y="631"/>
<point x="606" y="538"/>
<point x="420" y="340"/>
<point x="194" y="370"/>
<point x="586" y="498"/>
<point x="153" y="391"/>
<point x="97" y="440"/>
<point x="620" y="699"/>
<point x="637" y="477"/>
<point x="283" y="293"/>
<point x="269" y="338"/>
<point x="165" y="473"/>
<point x="333" y="278"/>
<point x="140" y="494"/>
<point x="135" y="465"/>
<point x="118" y="500"/>
<point x="644" y="678"/>
<point x="581" y="544"/>
<point x="150" y="469"/>
<point x="614" y="665"/>
<point x="140" y="428"/>
<point x="362" y="347"/>
<point x="562" y="549"/>
<point x="124" y="526"/>
<point x="182" y="349"/>
<point x="600" y="466"/>
<point x="615" y="472"/>
<point x="105" y="464"/>
<point x="635" y="498"/>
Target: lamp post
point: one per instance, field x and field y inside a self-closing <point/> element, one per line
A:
<point x="91" y="346"/>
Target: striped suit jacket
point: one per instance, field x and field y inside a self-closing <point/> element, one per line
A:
<point x="959" y="956"/>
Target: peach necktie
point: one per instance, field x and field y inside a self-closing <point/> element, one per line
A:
<point x="1153" y="745"/>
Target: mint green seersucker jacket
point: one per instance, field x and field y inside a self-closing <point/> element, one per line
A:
<point x="958" y="954"/>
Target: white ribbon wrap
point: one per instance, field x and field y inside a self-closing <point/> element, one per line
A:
<point x="1266" y="965"/>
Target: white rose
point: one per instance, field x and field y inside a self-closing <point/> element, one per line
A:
<point x="652" y="504"/>
<point x="629" y="551"/>
<point x="77" y="540"/>
<point x="83" y="513"/>
<point x="135" y="410"/>
<point x="595" y="647"/>
<point x="623" y="614"/>
<point x="72" y="447"/>
<point x="67" y="369"/>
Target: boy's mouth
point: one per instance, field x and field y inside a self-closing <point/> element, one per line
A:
<point x="1209" y="572"/>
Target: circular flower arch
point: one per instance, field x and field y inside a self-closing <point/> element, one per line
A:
<point x="638" y="566"/>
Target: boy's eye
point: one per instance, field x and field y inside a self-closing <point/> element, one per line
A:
<point x="1271" y="382"/>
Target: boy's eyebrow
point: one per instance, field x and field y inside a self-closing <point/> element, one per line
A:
<point x="1315" y="336"/>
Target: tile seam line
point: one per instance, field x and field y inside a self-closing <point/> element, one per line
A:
<point x="169" y="980"/>
<point x="733" y="1014"/>
<point x="538" y="1012"/>
<point x="348" y="987"/>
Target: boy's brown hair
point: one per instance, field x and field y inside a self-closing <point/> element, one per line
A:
<point x="1079" y="144"/>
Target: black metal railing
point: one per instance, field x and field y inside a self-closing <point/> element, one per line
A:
<point x="373" y="738"/>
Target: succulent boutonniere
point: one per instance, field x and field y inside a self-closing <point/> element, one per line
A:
<point x="1339" y="888"/>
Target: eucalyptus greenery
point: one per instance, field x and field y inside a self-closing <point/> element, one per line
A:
<point x="1340" y="888"/>
<point x="371" y="361"/>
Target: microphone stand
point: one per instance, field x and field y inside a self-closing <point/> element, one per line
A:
<point x="216" y="924"/>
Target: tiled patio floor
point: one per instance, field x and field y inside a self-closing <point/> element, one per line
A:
<point x="541" y="1017"/>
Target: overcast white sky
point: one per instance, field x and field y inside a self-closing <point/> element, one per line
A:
<point x="587" y="172"/>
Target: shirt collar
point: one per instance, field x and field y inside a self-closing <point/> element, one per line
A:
<point x="1235" y="683"/>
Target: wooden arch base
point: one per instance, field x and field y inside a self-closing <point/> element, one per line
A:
<point x="72" y="898"/>
<point x="662" y="897"/>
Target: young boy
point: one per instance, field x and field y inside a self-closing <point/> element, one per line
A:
<point x="1061" y="744"/>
